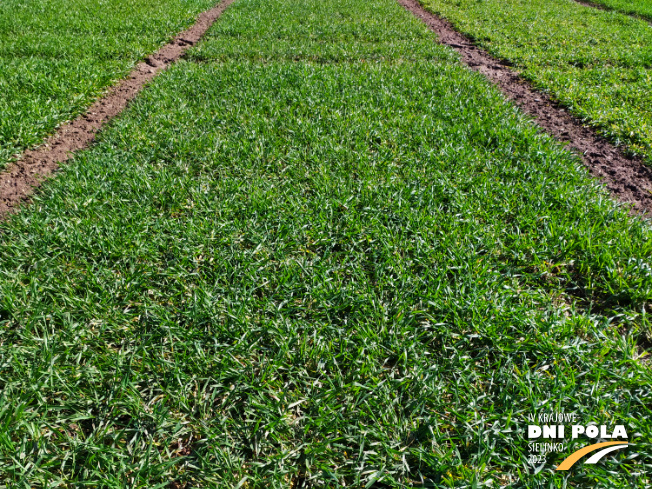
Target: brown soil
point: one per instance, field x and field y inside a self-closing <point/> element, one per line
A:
<point x="19" y="179"/>
<point x="628" y="179"/>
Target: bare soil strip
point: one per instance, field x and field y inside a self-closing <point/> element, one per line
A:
<point x="628" y="179"/>
<point x="21" y="177"/>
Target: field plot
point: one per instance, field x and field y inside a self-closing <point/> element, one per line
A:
<point x="642" y="8"/>
<point x="315" y="31"/>
<point x="57" y="56"/>
<point x="312" y="257"/>
<point x="595" y="62"/>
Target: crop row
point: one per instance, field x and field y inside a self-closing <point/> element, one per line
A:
<point x="313" y="255"/>
<point x="57" y="56"/>
<point x="593" y="61"/>
<point x="642" y="8"/>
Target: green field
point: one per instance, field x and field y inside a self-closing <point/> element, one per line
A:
<point x="57" y="56"/>
<point x="319" y="253"/>
<point x="594" y="62"/>
<point x="313" y="31"/>
<point x="642" y="8"/>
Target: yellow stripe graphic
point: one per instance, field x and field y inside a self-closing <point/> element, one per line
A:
<point x="575" y="456"/>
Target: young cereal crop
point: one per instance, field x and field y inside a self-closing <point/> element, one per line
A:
<point x="57" y="56"/>
<point x="592" y="61"/>
<point x="642" y="8"/>
<point x="311" y="256"/>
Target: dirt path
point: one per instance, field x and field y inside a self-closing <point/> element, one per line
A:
<point x="627" y="178"/>
<point x="19" y="179"/>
